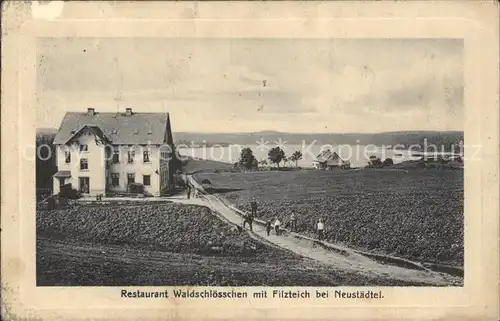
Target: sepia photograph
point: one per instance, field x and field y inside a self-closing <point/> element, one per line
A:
<point x="250" y="160"/>
<point x="342" y="165"/>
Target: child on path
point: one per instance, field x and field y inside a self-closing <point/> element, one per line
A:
<point x="293" y="223"/>
<point x="268" y="227"/>
<point x="320" y="229"/>
<point x="277" y="224"/>
<point x="253" y="206"/>
<point x="248" y="218"/>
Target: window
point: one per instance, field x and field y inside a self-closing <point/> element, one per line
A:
<point x="130" y="179"/>
<point x="146" y="180"/>
<point x="84" y="148"/>
<point x="131" y="155"/>
<point x="116" y="157"/>
<point x="84" y="164"/>
<point x="84" y="184"/>
<point x="146" y="156"/>
<point x="68" y="157"/>
<point x="115" y="179"/>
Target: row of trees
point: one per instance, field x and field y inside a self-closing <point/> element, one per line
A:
<point x="377" y="162"/>
<point x="45" y="165"/>
<point x="275" y="156"/>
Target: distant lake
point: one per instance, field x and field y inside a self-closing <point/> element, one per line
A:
<point x="358" y="155"/>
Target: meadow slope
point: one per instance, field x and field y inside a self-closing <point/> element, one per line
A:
<point x="416" y="214"/>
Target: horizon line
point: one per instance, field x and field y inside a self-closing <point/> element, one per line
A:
<point x="303" y="133"/>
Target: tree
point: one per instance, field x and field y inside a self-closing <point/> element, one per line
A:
<point x="276" y="155"/>
<point x="263" y="162"/>
<point x="247" y="159"/>
<point x="45" y="165"/>
<point x="296" y="156"/>
<point x="388" y="162"/>
<point x="255" y="163"/>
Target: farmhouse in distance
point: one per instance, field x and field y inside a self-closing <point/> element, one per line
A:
<point x="329" y="160"/>
<point x="98" y="153"/>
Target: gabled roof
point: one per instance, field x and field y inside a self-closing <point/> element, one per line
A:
<point x="94" y="129"/>
<point x="119" y="128"/>
<point x="327" y="155"/>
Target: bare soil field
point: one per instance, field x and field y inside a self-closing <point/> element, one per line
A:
<point x="416" y="214"/>
<point x="167" y="244"/>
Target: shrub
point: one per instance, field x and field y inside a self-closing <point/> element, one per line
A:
<point x="388" y="162"/>
<point x="68" y="191"/>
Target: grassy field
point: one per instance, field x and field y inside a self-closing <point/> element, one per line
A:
<point x="416" y="214"/>
<point x="166" y="244"/>
<point x="193" y="165"/>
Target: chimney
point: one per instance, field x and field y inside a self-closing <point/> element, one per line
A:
<point x="128" y="112"/>
<point x="90" y="111"/>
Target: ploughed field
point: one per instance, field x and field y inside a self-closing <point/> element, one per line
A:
<point x="416" y="214"/>
<point x="166" y="244"/>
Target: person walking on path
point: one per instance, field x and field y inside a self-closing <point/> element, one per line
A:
<point x="248" y="218"/>
<point x="268" y="227"/>
<point x="320" y="229"/>
<point x="293" y="223"/>
<point x="253" y="206"/>
<point x="277" y="224"/>
<point x="188" y="191"/>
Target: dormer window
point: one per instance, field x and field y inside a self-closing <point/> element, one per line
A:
<point x="84" y="147"/>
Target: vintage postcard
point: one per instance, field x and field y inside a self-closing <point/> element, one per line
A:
<point x="248" y="160"/>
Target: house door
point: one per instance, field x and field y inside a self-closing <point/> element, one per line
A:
<point x="61" y="181"/>
<point x="84" y="184"/>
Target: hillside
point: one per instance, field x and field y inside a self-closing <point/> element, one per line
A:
<point x="403" y="138"/>
<point x="406" y="139"/>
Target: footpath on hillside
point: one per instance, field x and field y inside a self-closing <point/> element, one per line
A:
<point x="344" y="259"/>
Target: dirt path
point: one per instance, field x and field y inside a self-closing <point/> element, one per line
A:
<point x="345" y="259"/>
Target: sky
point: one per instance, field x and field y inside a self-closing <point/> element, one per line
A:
<point x="248" y="85"/>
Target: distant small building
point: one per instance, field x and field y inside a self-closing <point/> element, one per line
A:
<point x="329" y="160"/>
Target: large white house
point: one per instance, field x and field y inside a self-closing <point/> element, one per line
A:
<point x="100" y="153"/>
